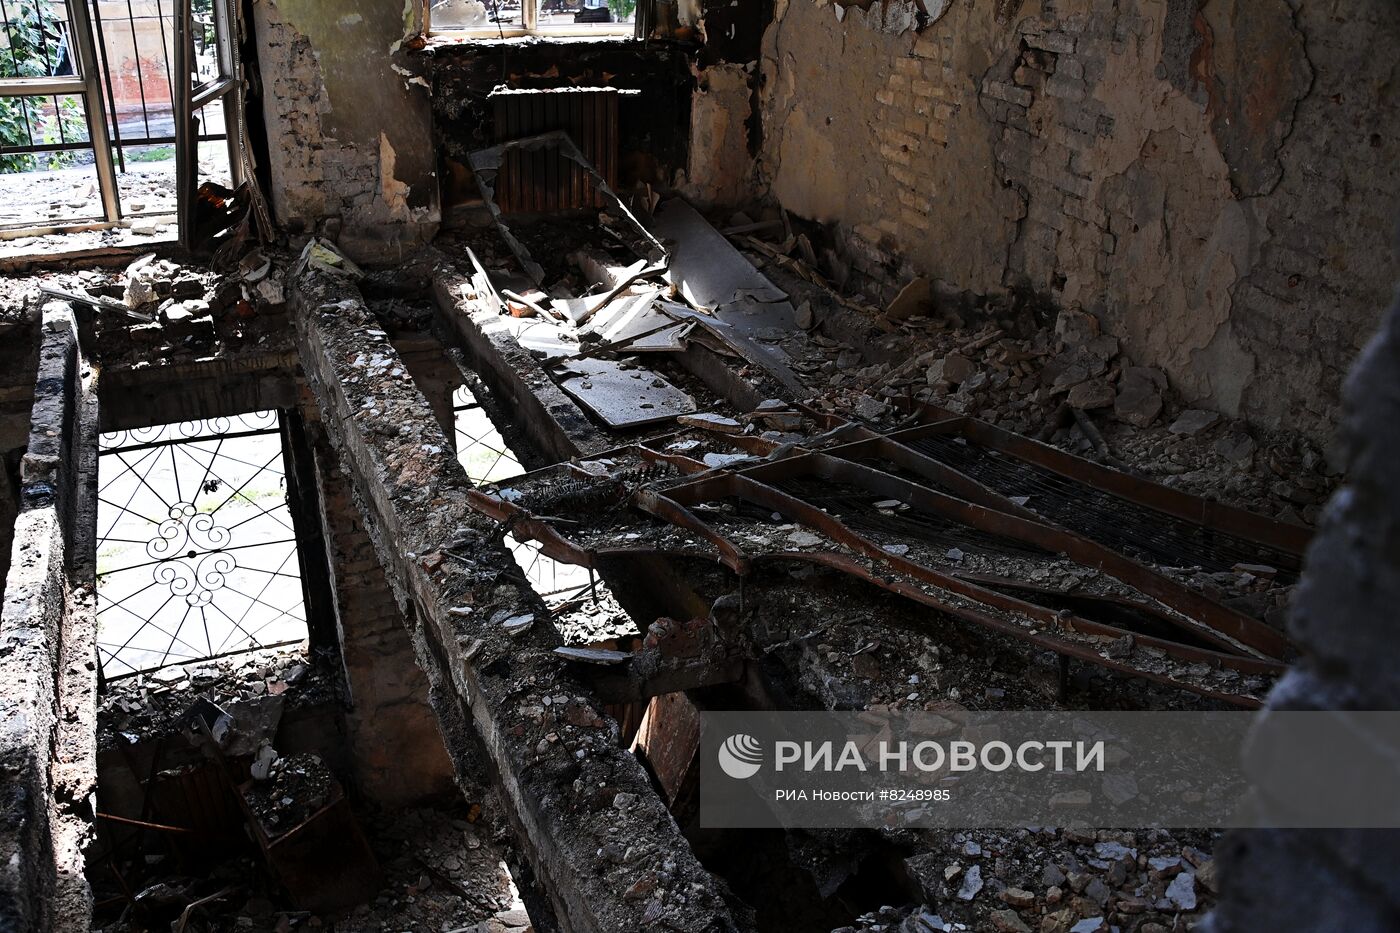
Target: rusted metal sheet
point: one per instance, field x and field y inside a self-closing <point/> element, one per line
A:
<point x="669" y="740"/>
<point x="1046" y="640"/>
<point x="199" y="798"/>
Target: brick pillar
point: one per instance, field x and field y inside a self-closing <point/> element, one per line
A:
<point x="1345" y="619"/>
<point x="397" y="750"/>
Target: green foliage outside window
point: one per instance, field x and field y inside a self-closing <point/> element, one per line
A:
<point x="29" y="33"/>
<point x="622" y="9"/>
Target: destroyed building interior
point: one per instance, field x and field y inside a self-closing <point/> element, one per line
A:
<point x="416" y="417"/>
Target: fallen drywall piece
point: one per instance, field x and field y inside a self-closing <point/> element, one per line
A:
<point x="708" y="270"/>
<point x="624" y="395"/>
<point x="749" y="311"/>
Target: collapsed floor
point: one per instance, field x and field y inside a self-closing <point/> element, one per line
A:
<point x="998" y="366"/>
<point x="780" y="499"/>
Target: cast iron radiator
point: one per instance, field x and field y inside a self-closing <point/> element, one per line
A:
<point x="545" y="181"/>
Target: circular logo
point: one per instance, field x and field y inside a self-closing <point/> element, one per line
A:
<point x="740" y="756"/>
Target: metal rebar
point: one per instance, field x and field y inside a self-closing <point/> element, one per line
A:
<point x="128" y="821"/>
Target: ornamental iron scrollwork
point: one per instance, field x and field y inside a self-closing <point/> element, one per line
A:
<point x="251" y="423"/>
<point x="189" y="545"/>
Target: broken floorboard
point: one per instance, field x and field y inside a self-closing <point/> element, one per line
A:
<point x="553" y="423"/>
<point x="481" y="634"/>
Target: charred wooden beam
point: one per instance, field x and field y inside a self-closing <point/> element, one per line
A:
<point x="483" y="637"/>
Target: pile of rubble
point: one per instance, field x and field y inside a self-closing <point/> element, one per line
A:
<point x="440" y="870"/>
<point x="1056" y="881"/>
<point x="155" y="311"/>
<point x="999" y="358"/>
<point x="286" y="792"/>
<point x="1029" y="370"/>
<point x="443" y="869"/>
<point x="1072" y="386"/>
<point x="147" y="705"/>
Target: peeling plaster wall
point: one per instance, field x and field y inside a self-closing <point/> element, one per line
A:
<point x="1214" y="180"/>
<point x="721" y="169"/>
<point x="726" y="126"/>
<point x="349" y="129"/>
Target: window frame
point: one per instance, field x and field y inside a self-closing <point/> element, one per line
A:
<point x="529" y="28"/>
<point x="83" y="85"/>
<point x="189" y="97"/>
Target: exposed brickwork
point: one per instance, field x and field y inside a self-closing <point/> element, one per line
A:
<point x="398" y="753"/>
<point x="1050" y="128"/>
<point x="295" y="98"/>
<point x="914" y="111"/>
<point x="350" y="137"/>
<point x="1210" y="181"/>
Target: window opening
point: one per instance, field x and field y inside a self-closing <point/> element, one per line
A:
<point x="112" y="112"/>
<point x="485" y="456"/>
<point x="136" y="53"/>
<point x="507" y="18"/>
<point x="197" y="551"/>
<point x="54" y="161"/>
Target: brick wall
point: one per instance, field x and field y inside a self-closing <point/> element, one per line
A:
<point x="913" y="113"/>
<point x="1215" y="184"/>
<point x="350" y="135"/>
<point x="398" y="754"/>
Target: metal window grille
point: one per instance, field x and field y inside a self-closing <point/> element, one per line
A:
<point x="197" y="551"/>
<point x="480" y="448"/>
